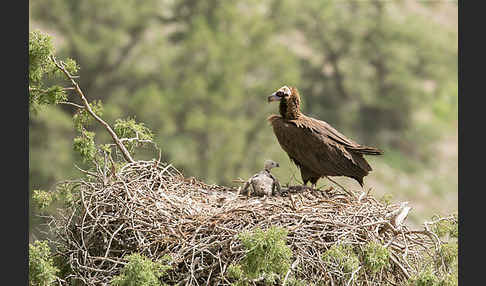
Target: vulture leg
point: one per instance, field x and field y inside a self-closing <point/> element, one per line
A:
<point x="308" y="176"/>
<point x="313" y="181"/>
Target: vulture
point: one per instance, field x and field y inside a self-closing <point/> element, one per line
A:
<point x="263" y="183"/>
<point x="313" y="145"/>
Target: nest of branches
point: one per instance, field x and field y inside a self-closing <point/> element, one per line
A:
<point x="149" y="207"/>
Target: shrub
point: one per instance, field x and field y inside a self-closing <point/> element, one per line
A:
<point x="447" y="255"/>
<point x="425" y="278"/>
<point x="141" y="271"/>
<point x="268" y="256"/>
<point x="42" y="271"/>
<point x="376" y="257"/>
<point x="444" y="227"/>
<point x="449" y="252"/>
<point x="342" y="255"/>
<point x="42" y="199"/>
<point x="342" y="258"/>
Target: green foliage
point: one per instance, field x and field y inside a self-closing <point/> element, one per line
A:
<point x="129" y="128"/>
<point x="67" y="194"/>
<point x="376" y="257"/>
<point x="40" y="48"/>
<point x="451" y="279"/>
<point x="41" y="67"/>
<point x="386" y="199"/>
<point x="267" y="256"/>
<point x="62" y="194"/>
<point x="449" y="253"/>
<point x="82" y="118"/>
<point x="71" y="66"/>
<point x="343" y="257"/>
<point x="141" y="271"/>
<point x="62" y="264"/>
<point x="425" y="278"/>
<point x="235" y="272"/>
<point x="428" y="277"/>
<point x="85" y="145"/>
<point x="51" y="95"/>
<point x="441" y="269"/>
<point x="51" y="155"/>
<point x="443" y="227"/>
<point x="42" y="199"/>
<point x="42" y="271"/>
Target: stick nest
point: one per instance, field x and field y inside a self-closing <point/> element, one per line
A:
<point x="150" y="208"/>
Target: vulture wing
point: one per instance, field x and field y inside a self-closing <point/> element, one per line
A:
<point x="318" y="148"/>
<point x="323" y="128"/>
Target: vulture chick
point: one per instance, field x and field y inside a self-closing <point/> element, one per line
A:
<point x="313" y="145"/>
<point x="263" y="183"/>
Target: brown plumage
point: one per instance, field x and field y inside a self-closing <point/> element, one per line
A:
<point x="313" y="145"/>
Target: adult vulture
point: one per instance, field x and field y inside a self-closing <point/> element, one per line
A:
<point x="313" y="145"/>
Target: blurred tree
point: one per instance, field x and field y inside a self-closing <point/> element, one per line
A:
<point x="198" y="72"/>
<point x="224" y="66"/>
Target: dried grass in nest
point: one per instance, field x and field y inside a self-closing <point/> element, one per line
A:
<point x="150" y="208"/>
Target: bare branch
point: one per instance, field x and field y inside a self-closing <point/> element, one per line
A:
<point x="73" y="104"/>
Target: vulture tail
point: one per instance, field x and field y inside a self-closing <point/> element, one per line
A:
<point x="360" y="180"/>
<point x="365" y="150"/>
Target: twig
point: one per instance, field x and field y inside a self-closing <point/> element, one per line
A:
<point x="344" y="189"/>
<point x="292" y="267"/>
<point x="73" y="104"/>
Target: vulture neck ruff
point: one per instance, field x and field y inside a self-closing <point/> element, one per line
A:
<point x="290" y="107"/>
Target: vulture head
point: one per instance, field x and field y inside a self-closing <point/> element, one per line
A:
<point x="269" y="164"/>
<point x="289" y="102"/>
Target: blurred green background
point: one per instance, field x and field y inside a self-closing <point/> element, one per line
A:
<point x="197" y="73"/>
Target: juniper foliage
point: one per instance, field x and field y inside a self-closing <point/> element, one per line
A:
<point x="42" y="271"/>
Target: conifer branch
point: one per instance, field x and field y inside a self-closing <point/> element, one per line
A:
<point x="76" y="87"/>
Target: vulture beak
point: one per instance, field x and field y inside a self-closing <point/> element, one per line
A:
<point x="273" y="97"/>
<point x="278" y="165"/>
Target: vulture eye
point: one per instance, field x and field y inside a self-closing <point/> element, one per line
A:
<point x="280" y="94"/>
